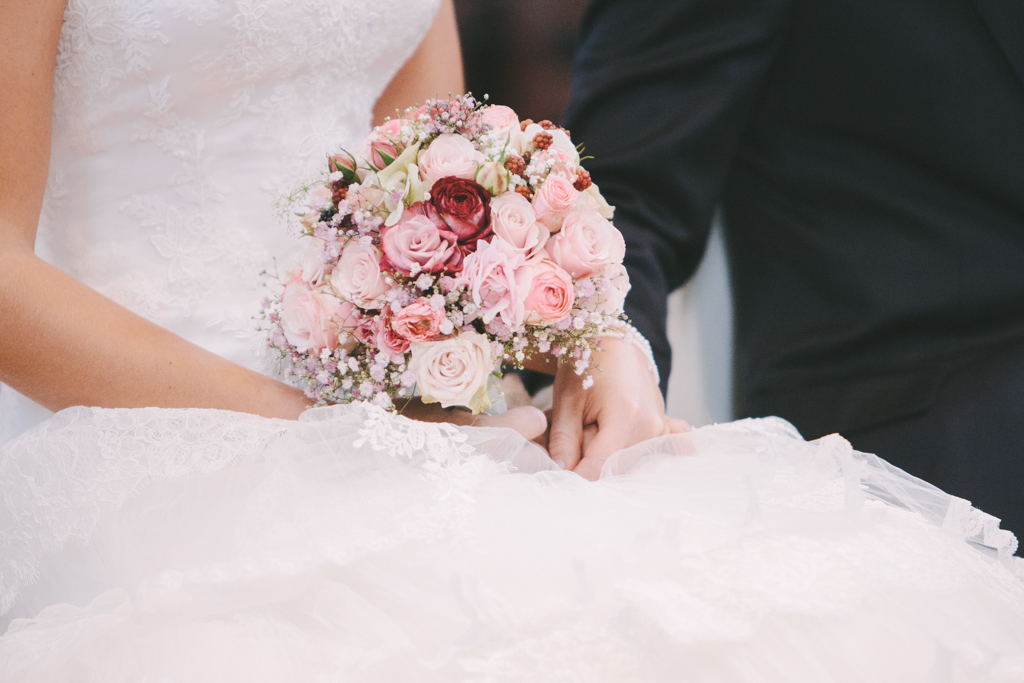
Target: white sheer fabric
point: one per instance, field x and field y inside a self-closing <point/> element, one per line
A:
<point x="198" y="545"/>
<point x="356" y="545"/>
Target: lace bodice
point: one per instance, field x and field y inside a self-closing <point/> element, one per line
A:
<point x="177" y="123"/>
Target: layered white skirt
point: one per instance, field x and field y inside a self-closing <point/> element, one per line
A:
<point x="192" y="546"/>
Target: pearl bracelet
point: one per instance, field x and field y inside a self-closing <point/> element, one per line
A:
<point x="631" y="335"/>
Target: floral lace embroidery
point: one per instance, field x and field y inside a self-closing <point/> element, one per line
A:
<point x="56" y="479"/>
<point x="101" y="44"/>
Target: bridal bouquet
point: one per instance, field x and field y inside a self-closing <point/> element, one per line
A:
<point x="455" y="238"/>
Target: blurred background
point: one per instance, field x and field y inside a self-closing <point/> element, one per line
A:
<point x="520" y="53"/>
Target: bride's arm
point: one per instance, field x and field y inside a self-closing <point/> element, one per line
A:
<point x="61" y="343"/>
<point x="434" y="70"/>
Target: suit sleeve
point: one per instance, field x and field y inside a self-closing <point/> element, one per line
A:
<point x="661" y="93"/>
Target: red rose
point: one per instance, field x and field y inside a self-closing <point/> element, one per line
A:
<point x="463" y="206"/>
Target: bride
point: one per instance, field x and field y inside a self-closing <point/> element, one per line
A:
<point x="200" y="524"/>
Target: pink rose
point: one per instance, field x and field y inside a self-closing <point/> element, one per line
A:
<point x="505" y="122"/>
<point x="551" y="294"/>
<point x="513" y="220"/>
<point x="553" y="201"/>
<point x="454" y="371"/>
<point x="357" y="276"/>
<point x="416" y="243"/>
<point x="387" y="339"/>
<point x="419" y="321"/>
<point x="449" y="155"/>
<point x="586" y="244"/>
<point x="313" y="319"/>
<point x="498" y="282"/>
<point x="391" y="129"/>
<point x="314" y="262"/>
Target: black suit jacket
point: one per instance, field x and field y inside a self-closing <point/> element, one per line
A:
<point x="868" y="156"/>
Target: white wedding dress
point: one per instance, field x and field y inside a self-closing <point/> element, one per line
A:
<point x="186" y="546"/>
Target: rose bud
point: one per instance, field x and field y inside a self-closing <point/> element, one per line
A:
<point x="382" y="153"/>
<point x="493" y="177"/>
<point x="341" y="162"/>
<point x="464" y="207"/>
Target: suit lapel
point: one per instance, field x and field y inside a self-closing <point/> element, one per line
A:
<point x="1005" y="18"/>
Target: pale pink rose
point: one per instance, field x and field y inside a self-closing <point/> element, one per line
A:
<point x="449" y="155"/>
<point x="498" y="280"/>
<point x="553" y="201"/>
<point x="612" y="287"/>
<point x="364" y="198"/>
<point x="391" y="130"/>
<point x="587" y="243"/>
<point x="551" y="294"/>
<point x="319" y="198"/>
<point x="387" y="339"/>
<point x="419" y="321"/>
<point x="416" y="243"/>
<point x="453" y="371"/>
<point x="559" y="162"/>
<point x="313" y="319"/>
<point x="314" y="262"/>
<point x="505" y="122"/>
<point x="357" y="276"/>
<point x="513" y="220"/>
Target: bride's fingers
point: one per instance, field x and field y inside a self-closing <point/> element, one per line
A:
<point x="678" y="426"/>
<point x="527" y="420"/>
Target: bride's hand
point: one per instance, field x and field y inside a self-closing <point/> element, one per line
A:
<point x="623" y="408"/>
<point x="527" y="420"/>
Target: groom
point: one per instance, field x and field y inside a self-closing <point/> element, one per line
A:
<point x="868" y="156"/>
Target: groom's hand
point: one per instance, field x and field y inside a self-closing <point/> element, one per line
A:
<point x="622" y="408"/>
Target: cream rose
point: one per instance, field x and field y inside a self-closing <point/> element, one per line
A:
<point x="587" y="243"/>
<point x="559" y="140"/>
<point x="449" y="155"/>
<point x="365" y="198"/>
<point x="603" y="207"/>
<point x="454" y="372"/>
<point x="357" y="277"/>
<point x="515" y="223"/>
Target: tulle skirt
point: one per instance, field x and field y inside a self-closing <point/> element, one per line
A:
<point x="354" y="545"/>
